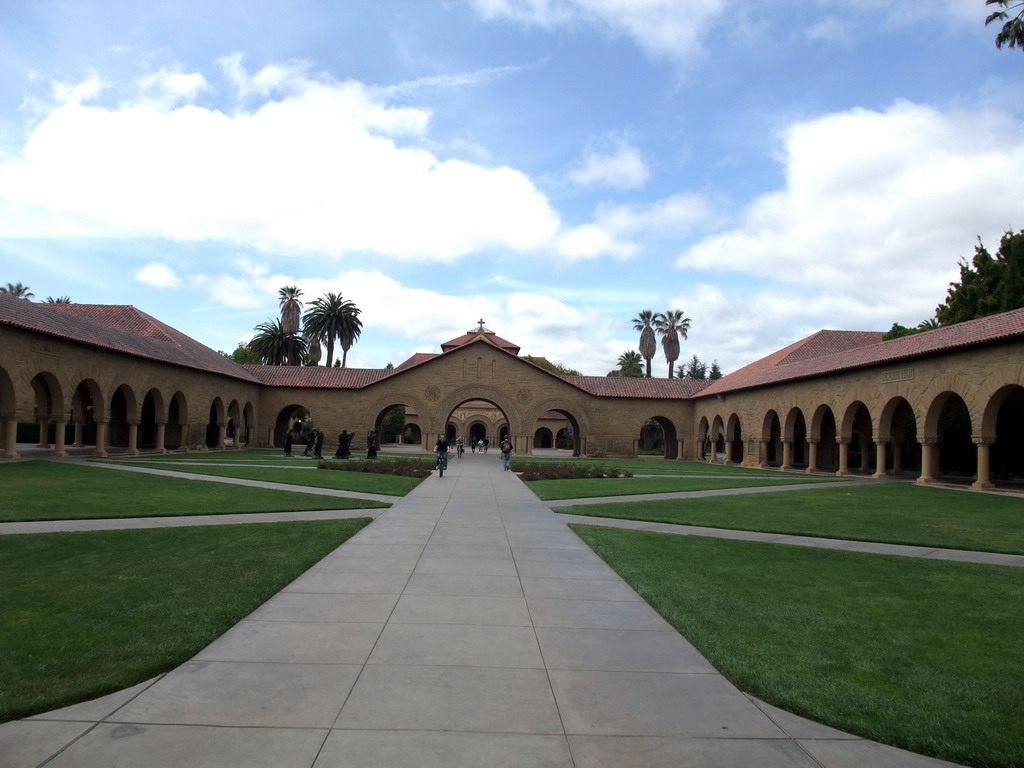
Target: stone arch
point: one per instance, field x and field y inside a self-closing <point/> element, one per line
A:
<point x="123" y="418"/>
<point x="703" y="437"/>
<point x="215" y="424"/>
<point x="248" y="422"/>
<point x="822" y="438"/>
<point x="1000" y="385"/>
<point x="287" y="419"/>
<point x="717" y="436"/>
<point x="411" y="432"/>
<point x="1003" y="420"/>
<point x="176" y="431"/>
<point x="897" y="427"/>
<point x="857" y="433"/>
<point x="734" y="439"/>
<point x="939" y="389"/>
<point x="949" y="424"/>
<point x="579" y="423"/>
<point x="493" y="395"/>
<point x="87" y="410"/>
<point x="8" y="417"/>
<point x="48" y="407"/>
<point x="543" y="438"/>
<point x="795" y="439"/>
<point x="151" y="414"/>
<point x="234" y="425"/>
<point x="771" y="437"/>
<point x="666" y="431"/>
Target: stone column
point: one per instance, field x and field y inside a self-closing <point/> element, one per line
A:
<point x="101" y="439"/>
<point x="787" y="454"/>
<point x="10" y="437"/>
<point x="44" y="441"/>
<point x="222" y="435"/>
<point x="865" y="456"/>
<point x="58" y="439"/>
<point x="928" y="445"/>
<point x="762" y="452"/>
<point x="844" y="457"/>
<point x="679" y="450"/>
<point x="161" y="435"/>
<point x="713" y="452"/>
<point x="133" y="439"/>
<point x="984" y="480"/>
<point x="880" y="459"/>
<point x="78" y="435"/>
<point x="812" y="454"/>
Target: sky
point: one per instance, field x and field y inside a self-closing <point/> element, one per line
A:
<point x="551" y="167"/>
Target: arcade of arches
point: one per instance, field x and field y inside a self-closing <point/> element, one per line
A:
<point x="924" y="409"/>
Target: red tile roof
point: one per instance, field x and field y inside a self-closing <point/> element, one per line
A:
<point x="489" y="336"/>
<point x="416" y="359"/>
<point x="316" y="376"/>
<point x="122" y="329"/>
<point x="830" y="352"/>
<point x="622" y="386"/>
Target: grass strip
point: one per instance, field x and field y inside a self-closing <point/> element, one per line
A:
<point x="50" y="490"/>
<point x="86" y="614"/>
<point x="549" y="490"/>
<point x="923" y="655"/>
<point x="894" y="513"/>
<point x="303" y="475"/>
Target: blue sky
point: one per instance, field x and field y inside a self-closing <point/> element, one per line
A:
<point x="550" y="166"/>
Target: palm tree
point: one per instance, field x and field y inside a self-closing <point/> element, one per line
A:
<point x="18" y="291"/>
<point x="274" y="346"/>
<point x="330" y="318"/>
<point x="291" y="313"/>
<point x="928" y="325"/>
<point x="631" y="364"/>
<point x="644" y="322"/>
<point x="58" y="300"/>
<point x="670" y="326"/>
<point x="1012" y="33"/>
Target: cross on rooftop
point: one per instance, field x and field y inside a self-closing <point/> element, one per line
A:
<point x="481" y="329"/>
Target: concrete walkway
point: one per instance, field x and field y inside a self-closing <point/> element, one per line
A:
<point x="466" y="626"/>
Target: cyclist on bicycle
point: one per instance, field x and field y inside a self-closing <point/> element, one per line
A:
<point x="441" y="449"/>
<point x="460" y="446"/>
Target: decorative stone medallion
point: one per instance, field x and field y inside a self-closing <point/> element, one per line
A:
<point x="432" y="393"/>
<point x="524" y="396"/>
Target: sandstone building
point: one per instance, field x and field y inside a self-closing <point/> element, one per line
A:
<point x="947" y="402"/>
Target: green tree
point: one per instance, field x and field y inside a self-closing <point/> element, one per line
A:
<point x="988" y="284"/>
<point x="1012" y="33"/>
<point x="547" y="365"/>
<point x="243" y="355"/>
<point x="644" y="322"/>
<point x="630" y="365"/>
<point x="273" y="345"/>
<point x="716" y="371"/>
<point x="392" y="425"/>
<point x="671" y="325"/>
<point x="333" y="318"/>
<point x="695" y="369"/>
<point x="17" y="290"/>
<point x="291" y="314"/>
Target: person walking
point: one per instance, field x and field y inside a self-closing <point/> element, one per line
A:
<point x="506" y="454"/>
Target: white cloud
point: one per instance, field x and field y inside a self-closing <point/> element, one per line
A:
<point x="900" y="193"/>
<point x="158" y="275"/>
<point x="623" y="167"/>
<point x="619" y="231"/>
<point x="316" y="167"/>
<point x="663" y="29"/>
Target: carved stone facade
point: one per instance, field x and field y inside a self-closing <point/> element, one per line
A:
<point x="947" y="402"/>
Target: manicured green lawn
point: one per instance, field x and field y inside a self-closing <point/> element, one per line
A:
<point x="924" y="655"/>
<point x="86" y="614"/>
<point x="305" y="474"/>
<point x="548" y="490"/>
<point x="898" y="513"/>
<point x="51" y="490"/>
<point x="656" y="466"/>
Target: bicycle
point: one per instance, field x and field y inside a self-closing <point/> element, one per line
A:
<point x="442" y="462"/>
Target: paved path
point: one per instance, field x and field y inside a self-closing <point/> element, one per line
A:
<point x="466" y="626"/>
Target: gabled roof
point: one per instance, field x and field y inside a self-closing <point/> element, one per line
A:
<point x="122" y="329"/>
<point x="483" y="334"/>
<point x="416" y="359"/>
<point x="316" y="376"/>
<point x="830" y="352"/>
